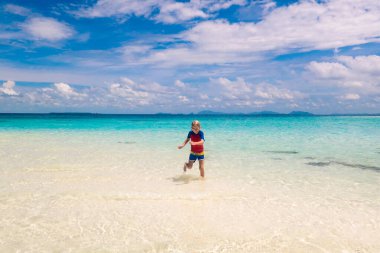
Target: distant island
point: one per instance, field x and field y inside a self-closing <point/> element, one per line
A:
<point x="293" y="113"/>
<point x="209" y="113"/>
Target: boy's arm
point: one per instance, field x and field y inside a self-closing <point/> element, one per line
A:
<point x="197" y="142"/>
<point x="184" y="143"/>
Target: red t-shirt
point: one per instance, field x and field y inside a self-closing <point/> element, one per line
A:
<point x="196" y="138"/>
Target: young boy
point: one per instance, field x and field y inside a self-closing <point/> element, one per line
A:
<point x="196" y="138"/>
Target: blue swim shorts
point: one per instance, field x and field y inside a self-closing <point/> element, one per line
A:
<point x="194" y="156"/>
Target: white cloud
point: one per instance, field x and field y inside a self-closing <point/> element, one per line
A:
<point x="8" y="88"/>
<point x="360" y="72"/>
<point x="109" y="8"/>
<point x="243" y="94"/>
<point x="193" y="56"/>
<point x="350" y="96"/>
<point x="147" y="93"/>
<point x="303" y="26"/>
<point x="268" y="91"/>
<point x="179" y="84"/>
<point x="44" y="31"/>
<point x="369" y="64"/>
<point x="16" y="9"/>
<point x="237" y="89"/>
<point x="129" y="95"/>
<point x="214" y="6"/>
<point x="183" y="99"/>
<point x="169" y="11"/>
<point x="177" y="12"/>
<point x="66" y="90"/>
<point x="42" y="28"/>
<point x="128" y="89"/>
<point x="328" y="70"/>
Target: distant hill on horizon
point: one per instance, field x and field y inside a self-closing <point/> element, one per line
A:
<point x="209" y="112"/>
<point x="301" y="113"/>
<point x="292" y="113"/>
<point x="264" y="113"/>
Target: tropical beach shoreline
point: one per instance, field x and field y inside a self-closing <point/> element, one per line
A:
<point x="116" y="184"/>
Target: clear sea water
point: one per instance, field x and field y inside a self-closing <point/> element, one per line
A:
<point x="111" y="183"/>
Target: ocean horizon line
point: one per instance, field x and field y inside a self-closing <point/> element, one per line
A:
<point x="202" y="113"/>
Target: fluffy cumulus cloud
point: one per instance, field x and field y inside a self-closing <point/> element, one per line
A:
<point x="42" y="28"/>
<point x="128" y="95"/>
<point x="66" y="90"/>
<point x="56" y="96"/>
<point x="360" y="72"/>
<point x="237" y="89"/>
<point x="271" y="92"/>
<point x="142" y="94"/>
<point x="240" y="93"/>
<point x="303" y="26"/>
<point x="7" y="88"/>
<point x="328" y="70"/>
<point x="365" y="64"/>
<point x="179" y="84"/>
<point x="129" y="90"/>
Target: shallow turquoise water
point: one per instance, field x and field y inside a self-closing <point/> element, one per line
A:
<point x="353" y="140"/>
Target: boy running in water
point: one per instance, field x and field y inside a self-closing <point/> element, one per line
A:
<point x="196" y="138"/>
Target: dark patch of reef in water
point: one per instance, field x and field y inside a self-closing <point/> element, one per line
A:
<point x="282" y="152"/>
<point x="351" y="165"/>
<point x="318" y="164"/>
<point x="127" y="142"/>
<point x="360" y="166"/>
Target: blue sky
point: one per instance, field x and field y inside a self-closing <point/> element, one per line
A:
<point x="132" y="56"/>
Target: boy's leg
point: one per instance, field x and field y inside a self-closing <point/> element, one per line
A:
<point x="202" y="167"/>
<point x="188" y="165"/>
